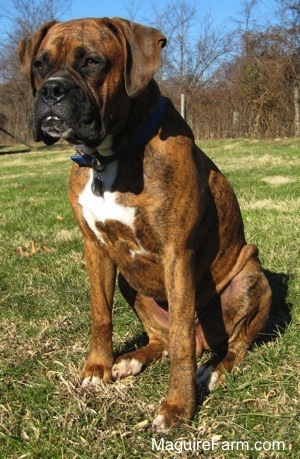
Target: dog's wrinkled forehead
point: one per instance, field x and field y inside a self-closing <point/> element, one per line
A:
<point x="72" y="40"/>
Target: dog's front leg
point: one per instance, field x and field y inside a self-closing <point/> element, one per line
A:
<point x="102" y="273"/>
<point x="179" y="403"/>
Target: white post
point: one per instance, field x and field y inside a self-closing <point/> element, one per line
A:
<point x="183" y="106"/>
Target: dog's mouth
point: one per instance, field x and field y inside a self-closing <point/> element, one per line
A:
<point x="64" y="110"/>
<point x="53" y="128"/>
<point x="70" y="121"/>
<point x="56" y="128"/>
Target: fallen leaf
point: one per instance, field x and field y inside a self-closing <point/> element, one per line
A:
<point x="141" y="425"/>
<point x="32" y="248"/>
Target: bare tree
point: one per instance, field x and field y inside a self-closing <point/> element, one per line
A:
<point x="176" y="19"/>
<point x="211" y="48"/>
<point x="289" y="14"/>
<point x="133" y="9"/>
<point x="195" y="49"/>
<point x="26" y="16"/>
<point x="246" y="20"/>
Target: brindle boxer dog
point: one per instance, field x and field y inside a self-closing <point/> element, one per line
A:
<point x="150" y="204"/>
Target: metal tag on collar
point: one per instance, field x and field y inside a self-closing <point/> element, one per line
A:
<point x="97" y="185"/>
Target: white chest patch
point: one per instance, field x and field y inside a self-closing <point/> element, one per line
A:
<point x="99" y="209"/>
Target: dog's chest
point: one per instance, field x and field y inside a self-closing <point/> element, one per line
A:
<point x="113" y="224"/>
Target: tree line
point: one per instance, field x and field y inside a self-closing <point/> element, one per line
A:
<point x="240" y="80"/>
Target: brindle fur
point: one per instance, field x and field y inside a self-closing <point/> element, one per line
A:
<point x="196" y="284"/>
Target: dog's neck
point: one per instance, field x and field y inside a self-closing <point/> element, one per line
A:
<point x="105" y="149"/>
<point x="98" y="158"/>
<point x="107" y="152"/>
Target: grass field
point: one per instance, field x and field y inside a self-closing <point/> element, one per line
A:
<point x="44" y="334"/>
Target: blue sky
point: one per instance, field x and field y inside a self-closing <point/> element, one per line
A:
<point x="221" y="10"/>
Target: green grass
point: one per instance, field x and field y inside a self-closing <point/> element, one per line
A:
<point x="44" y="334"/>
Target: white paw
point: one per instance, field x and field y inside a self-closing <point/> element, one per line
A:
<point x="125" y="368"/>
<point x="213" y="380"/>
<point x="206" y="378"/>
<point x="94" y="381"/>
<point x="159" y="424"/>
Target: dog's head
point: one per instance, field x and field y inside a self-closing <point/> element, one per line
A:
<point x="84" y="74"/>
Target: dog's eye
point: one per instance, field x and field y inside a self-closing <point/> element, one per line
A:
<point x="39" y="65"/>
<point x="90" y="62"/>
<point x="93" y="66"/>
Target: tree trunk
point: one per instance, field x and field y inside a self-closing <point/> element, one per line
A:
<point x="236" y="123"/>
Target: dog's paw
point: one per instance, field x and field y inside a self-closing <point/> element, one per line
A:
<point x="206" y="378"/>
<point x="126" y="367"/>
<point x="172" y="415"/>
<point x="93" y="374"/>
<point x="159" y="424"/>
<point x="93" y="380"/>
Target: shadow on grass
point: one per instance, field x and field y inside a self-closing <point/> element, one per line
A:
<point x="135" y="343"/>
<point x="11" y="149"/>
<point x="280" y="313"/>
<point x="12" y="152"/>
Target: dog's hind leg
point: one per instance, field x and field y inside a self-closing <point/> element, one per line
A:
<point x="155" y="321"/>
<point x="247" y="302"/>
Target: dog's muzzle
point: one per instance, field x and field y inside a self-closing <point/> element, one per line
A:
<point x="64" y="110"/>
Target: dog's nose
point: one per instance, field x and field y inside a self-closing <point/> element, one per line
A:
<point x="55" y="89"/>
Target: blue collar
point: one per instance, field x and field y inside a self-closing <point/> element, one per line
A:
<point x="84" y="159"/>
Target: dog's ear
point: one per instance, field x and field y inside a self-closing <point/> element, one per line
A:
<point x="141" y="46"/>
<point x="28" y="49"/>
